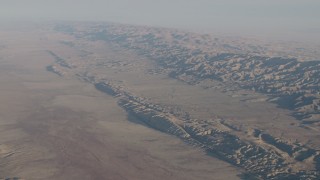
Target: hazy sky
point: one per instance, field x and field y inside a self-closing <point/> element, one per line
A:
<point x="251" y="16"/>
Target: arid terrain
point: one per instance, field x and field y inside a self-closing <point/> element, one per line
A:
<point x="113" y="101"/>
<point x="54" y="127"/>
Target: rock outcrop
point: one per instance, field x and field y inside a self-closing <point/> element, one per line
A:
<point x="290" y="83"/>
<point x="257" y="160"/>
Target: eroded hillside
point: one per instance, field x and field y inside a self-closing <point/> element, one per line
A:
<point x="193" y="59"/>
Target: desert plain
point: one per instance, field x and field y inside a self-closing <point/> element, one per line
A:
<point x="92" y="101"/>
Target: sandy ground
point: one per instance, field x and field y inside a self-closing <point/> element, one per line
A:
<point x="62" y="128"/>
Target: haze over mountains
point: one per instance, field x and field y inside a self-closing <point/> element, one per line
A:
<point x="285" y="19"/>
<point x="152" y="89"/>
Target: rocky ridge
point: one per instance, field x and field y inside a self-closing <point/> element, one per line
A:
<point x="290" y="83"/>
<point x="61" y="66"/>
<point x="258" y="160"/>
<point x="259" y="153"/>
